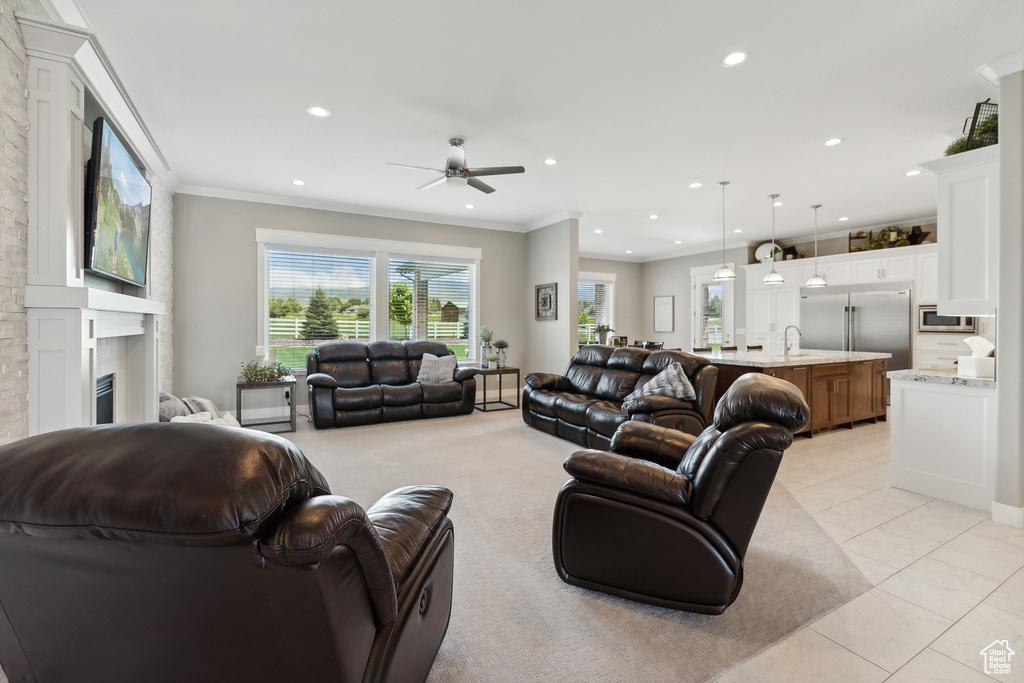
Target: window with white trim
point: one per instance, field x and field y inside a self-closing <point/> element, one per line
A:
<point x="595" y="300"/>
<point x="319" y="288"/>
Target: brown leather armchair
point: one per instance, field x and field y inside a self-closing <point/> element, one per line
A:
<point x="183" y="552"/>
<point x="666" y="517"/>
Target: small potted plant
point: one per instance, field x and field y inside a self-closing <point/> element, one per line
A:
<point x="486" y="335"/>
<point x="492" y="361"/>
<point x="501" y="345"/>
<point x="602" y="332"/>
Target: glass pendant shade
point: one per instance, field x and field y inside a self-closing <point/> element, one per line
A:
<point x="773" y="277"/>
<point x="725" y="272"/>
<point x="816" y="280"/>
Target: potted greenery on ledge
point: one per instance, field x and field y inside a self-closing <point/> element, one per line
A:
<point x="254" y="371"/>
<point x="603" y="331"/>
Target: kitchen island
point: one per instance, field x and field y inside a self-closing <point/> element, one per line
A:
<point x="841" y="387"/>
<point x="943" y="436"/>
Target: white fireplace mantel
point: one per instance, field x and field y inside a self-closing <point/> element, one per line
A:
<point x="66" y="315"/>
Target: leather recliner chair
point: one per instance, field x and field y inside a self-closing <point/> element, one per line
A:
<point x="666" y="517"/>
<point x="183" y="552"/>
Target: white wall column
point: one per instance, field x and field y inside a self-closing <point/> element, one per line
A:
<point x="1008" y="507"/>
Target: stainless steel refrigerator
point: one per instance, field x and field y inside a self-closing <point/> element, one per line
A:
<point x="858" y="318"/>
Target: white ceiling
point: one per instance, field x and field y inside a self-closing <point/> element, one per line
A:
<point x="629" y="97"/>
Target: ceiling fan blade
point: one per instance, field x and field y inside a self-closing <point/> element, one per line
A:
<point x="480" y="185"/>
<point x="432" y="183"/>
<point x="418" y="168"/>
<point x="495" y="170"/>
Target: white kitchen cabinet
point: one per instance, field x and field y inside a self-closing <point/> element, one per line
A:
<point x="887" y="269"/>
<point x="769" y="311"/>
<point x="968" y="231"/>
<point x="927" y="290"/>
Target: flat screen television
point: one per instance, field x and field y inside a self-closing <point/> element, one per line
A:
<point x="117" y="202"/>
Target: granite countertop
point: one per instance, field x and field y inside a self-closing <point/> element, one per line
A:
<point x="760" y="359"/>
<point x="947" y="377"/>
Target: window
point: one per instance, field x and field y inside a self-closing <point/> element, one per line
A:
<point x="595" y="297"/>
<point x="316" y="296"/>
<point x="429" y="300"/>
<point x="317" y="288"/>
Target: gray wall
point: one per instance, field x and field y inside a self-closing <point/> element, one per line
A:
<point x="216" y="322"/>
<point x="628" y="287"/>
<point x="671" y="277"/>
<point x="552" y="255"/>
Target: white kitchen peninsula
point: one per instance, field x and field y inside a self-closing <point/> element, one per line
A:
<point x="943" y="436"/>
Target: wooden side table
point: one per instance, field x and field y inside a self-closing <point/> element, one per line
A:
<point x="287" y="383"/>
<point x="485" y="404"/>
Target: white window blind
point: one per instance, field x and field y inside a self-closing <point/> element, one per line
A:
<point x="295" y="319"/>
<point x="594" y="300"/>
<point x="430" y="300"/>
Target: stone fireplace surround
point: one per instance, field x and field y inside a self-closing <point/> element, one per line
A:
<point x="78" y="326"/>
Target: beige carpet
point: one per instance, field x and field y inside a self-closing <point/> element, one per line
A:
<point x="513" y="619"/>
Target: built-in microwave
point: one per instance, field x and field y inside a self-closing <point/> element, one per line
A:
<point x="929" y="320"/>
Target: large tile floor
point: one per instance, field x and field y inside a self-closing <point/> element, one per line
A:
<point x="947" y="580"/>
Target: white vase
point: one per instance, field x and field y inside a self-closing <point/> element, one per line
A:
<point x="501" y="358"/>
<point x="485" y="350"/>
<point x="603" y="337"/>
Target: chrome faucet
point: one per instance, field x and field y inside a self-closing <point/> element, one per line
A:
<point x="785" y="338"/>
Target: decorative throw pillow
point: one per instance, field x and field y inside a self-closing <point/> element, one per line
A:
<point x="672" y="381"/>
<point x="200" y="405"/>
<point x="171" y="406"/>
<point x="436" y="369"/>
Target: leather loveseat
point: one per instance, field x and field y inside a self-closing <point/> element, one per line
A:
<point x="354" y="383"/>
<point x="585" y="404"/>
<point x="666" y="517"/>
<point x="168" y="552"/>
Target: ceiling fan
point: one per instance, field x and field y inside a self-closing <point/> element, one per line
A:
<point x="455" y="172"/>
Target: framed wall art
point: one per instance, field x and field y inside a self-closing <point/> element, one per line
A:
<point x="664" y="314"/>
<point x="546" y="301"/>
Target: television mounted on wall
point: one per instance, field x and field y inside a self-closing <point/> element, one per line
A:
<point x="117" y="205"/>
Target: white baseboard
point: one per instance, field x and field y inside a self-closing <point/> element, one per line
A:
<point x="1008" y="515"/>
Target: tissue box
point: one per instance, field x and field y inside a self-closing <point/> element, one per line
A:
<point x="969" y="366"/>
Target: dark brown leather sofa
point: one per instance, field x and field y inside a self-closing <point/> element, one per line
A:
<point x="666" y="517"/>
<point x="585" y="404"/>
<point x="183" y="552"/>
<point x="353" y="383"/>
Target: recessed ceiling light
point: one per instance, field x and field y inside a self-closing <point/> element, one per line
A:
<point x="832" y="142"/>
<point x="737" y="230"/>
<point x="550" y="162"/>
<point x="912" y="173"/>
<point x="318" y="111"/>
<point x="598" y="232"/>
<point x="629" y="251"/>
<point x="777" y="203"/>
<point x="694" y="186"/>
<point x="843" y="218"/>
<point x="298" y="182"/>
<point x="653" y="216"/>
<point x="679" y="241"/>
<point x="734" y="59"/>
<point x="470" y="206"/>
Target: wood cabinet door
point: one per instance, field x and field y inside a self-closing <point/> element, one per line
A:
<point x="862" y="390"/>
<point x="821" y="403"/>
<point x="800" y="377"/>
<point x="880" y="388"/>
<point x="841" y="407"/>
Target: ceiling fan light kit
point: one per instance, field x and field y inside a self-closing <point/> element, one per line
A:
<point x="457" y="174"/>
<point x="773" y="277"/>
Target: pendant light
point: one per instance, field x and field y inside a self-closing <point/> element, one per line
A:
<point x="725" y="272"/>
<point x="773" y="277"/>
<point x="816" y="280"/>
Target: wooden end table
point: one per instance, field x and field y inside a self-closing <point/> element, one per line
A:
<point x="485" y="404"/>
<point x="287" y="383"/>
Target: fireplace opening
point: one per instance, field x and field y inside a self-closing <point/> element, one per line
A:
<point x="105" y="399"/>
